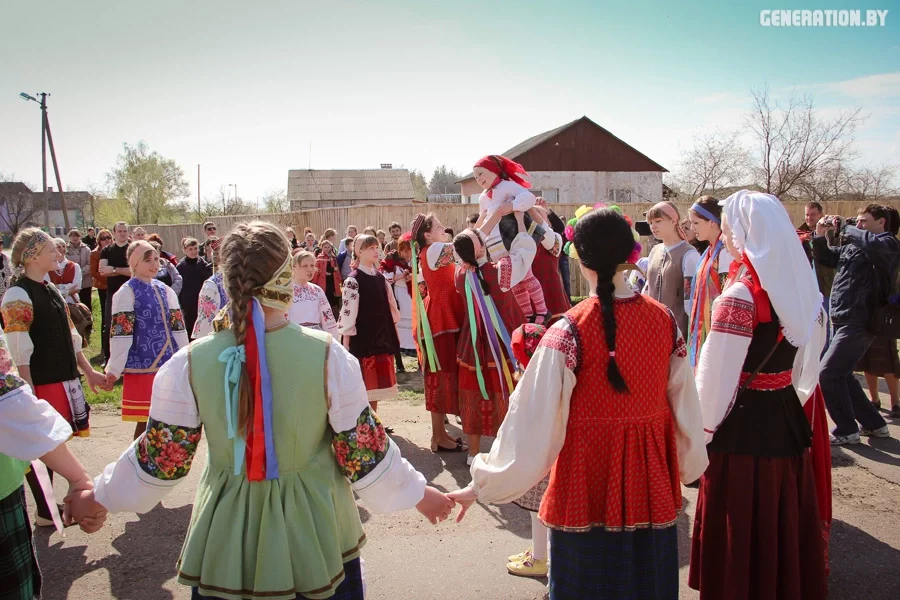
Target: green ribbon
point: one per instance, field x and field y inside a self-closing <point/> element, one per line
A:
<point x="423" y="331"/>
<point x="473" y="330"/>
<point x="233" y="358"/>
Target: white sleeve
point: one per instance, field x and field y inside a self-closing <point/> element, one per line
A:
<point x="392" y="484"/>
<point x="121" y="330"/>
<point x="513" y="267"/>
<point x="207" y="309"/>
<point x="177" y="279"/>
<point x="552" y="242"/>
<point x="534" y="430"/>
<point x="805" y="375"/>
<point x="439" y="254"/>
<point x="689" y="270"/>
<point x="176" y="318"/>
<point x="29" y="427"/>
<point x="18" y="314"/>
<point x="328" y="323"/>
<point x="524" y="200"/>
<point x="723" y="354"/>
<point x="349" y="307"/>
<point x="392" y="302"/>
<point x="682" y="393"/>
<point x="135" y="483"/>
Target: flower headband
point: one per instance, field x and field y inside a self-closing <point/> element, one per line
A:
<point x="569" y="232"/>
<point x="278" y="291"/>
<point x="34" y="246"/>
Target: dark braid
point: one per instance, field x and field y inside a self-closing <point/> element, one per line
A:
<point x="465" y="249"/>
<point x="603" y="240"/>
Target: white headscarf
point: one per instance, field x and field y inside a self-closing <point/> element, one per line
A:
<point x="761" y="229"/>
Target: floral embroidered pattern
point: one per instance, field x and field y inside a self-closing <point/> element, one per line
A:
<point x="9" y="375"/>
<point x="688" y="283"/>
<point x="167" y="451"/>
<point x="733" y="316"/>
<point x="360" y="449"/>
<point x="122" y="324"/>
<point x="176" y="320"/>
<point x="445" y="258"/>
<point x="207" y="307"/>
<point x="560" y="338"/>
<point x="18" y="315"/>
<point x="557" y="245"/>
<point x="504" y="273"/>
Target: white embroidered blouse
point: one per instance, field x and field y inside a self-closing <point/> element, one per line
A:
<point x="309" y="308"/>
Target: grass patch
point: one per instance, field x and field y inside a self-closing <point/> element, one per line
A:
<point x="412" y="397"/>
<point x="93" y="352"/>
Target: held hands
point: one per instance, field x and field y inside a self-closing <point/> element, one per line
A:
<point x="82" y="508"/>
<point x="465" y="498"/>
<point x="95" y="379"/>
<point x="109" y="381"/>
<point x="435" y="506"/>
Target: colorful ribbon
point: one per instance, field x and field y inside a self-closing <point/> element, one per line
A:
<point x="233" y="357"/>
<point x="473" y="332"/>
<point x="706" y="284"/>
<point x="423" y="331"/>
<point x="488" y="310"/>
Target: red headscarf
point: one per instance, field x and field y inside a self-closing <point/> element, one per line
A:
<point x="504" y="168"/>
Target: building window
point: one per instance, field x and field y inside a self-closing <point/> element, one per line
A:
<point x="551" y="195"/>
<point x="620" y="196"/>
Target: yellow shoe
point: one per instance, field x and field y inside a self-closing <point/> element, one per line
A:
<point x="528" y="568"/>
<point x="520" y="556"/>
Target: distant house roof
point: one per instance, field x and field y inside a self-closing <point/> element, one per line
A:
<point x="357" y="185"/>
<point x="534" y="142"/>
<point x="8" y="188"/>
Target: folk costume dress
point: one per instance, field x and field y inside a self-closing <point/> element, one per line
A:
<point x="368" y="317"/>
<point x="393" y="267"/>
<point x="275" y="515"/>
<point x="712" y="271"/>
<point x="758" y="532"/>
<point x="212" y="299"/>
<point x="616" y="460"/>
<point x="485" y="384"/>
<point x="29" y="429"/>
<point x="40" y="335"/>
<point x="147" y="330"/>
<point x="670" y="276"/>
<point x="443" y="311"/>
<point x="546" y="270"/>
<point x="310" y="308"/>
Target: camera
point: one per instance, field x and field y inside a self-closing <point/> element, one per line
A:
<point x="643" y="228"/>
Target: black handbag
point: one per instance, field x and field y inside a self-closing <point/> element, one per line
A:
<point x="885" y="318"/>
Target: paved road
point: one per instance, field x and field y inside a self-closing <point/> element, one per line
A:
<point x="407" y="558"/>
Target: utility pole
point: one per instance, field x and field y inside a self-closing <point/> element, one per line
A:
<point x="44" y="159"/>
<point x="62" y="196"/>
<point x="199" y="209"/>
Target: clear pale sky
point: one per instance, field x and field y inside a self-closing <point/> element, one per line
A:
<point x="245" y="88"/>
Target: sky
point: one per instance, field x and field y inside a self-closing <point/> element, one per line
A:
<point x="251" y="90"/>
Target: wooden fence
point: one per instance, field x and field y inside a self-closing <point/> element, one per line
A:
<point x="450" y="215"/>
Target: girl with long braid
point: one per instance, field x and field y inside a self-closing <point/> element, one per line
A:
<point x="485" y="363"/>
<point x="290" y="438"/>
<point x="607" y="405"/>
<point x="437" y="322"/>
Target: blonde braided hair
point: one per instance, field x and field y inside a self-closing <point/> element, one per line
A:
<point x="250" y="256"/>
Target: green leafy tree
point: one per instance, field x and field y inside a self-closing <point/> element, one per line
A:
<point x="443" y="181"/>
<point x="148" y="181"/>
<point x="419" y="183"/>
<point x="275" y="201"/>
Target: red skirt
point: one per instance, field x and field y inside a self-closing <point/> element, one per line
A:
<point x="442" y="387"/>
<point x="136" y="391"/>
<point x="757" y="531"/>
<point x="379" y="372"/>
<point x="480" y="416"/>
<point x="55" y="395"/>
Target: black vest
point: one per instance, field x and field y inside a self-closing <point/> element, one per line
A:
<point x="375" y="330"/>
<point x="53" y="359"/>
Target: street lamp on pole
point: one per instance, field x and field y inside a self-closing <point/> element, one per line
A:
<point x="47" y="136"/>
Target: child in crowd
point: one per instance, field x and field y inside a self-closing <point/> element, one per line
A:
<point x="309" y="307"/>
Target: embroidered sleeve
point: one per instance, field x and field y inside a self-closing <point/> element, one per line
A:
<point x="207" y="307"/>
<point x="378" y="473"/>
<point x="328" y="323"/>
<point x="161" y="457"/>
<point x="176" y="318"/>
<point x="723" y="354"/>
<point x="360" y="449"/>
<point x="561" y="338"/>
<point x="166" y="451"/>
<point x="9" y="375"/>
<point x="349" y="307"/>
<point x="552" y="242"/>
<point x="121" y="330"/>
<point x="504" y="273"/>
<point x="439" y="255"/>
<point x="18" y="314"/>
<point x="521" y="256"/>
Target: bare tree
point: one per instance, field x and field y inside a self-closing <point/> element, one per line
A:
<point x="714" y="161"/>
<point x="275" y="201"/>
<point x="17" y="207"/>
<point x="874" y="184"/>
<point x="794" y="140"/>
<point x="226" y="204"/>
<point x="826" y="183"/>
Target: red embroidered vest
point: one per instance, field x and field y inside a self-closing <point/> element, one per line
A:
<point x="618" y="467"/>
<point x="444" y="307"/>
<point x="67" y="276"/>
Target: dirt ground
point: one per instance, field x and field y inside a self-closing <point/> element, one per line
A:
<point x="134" y="556"/>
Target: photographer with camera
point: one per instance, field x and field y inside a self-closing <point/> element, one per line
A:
<point x="866" y="264"/>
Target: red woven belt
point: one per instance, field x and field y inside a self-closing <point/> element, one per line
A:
<point x="768" y="381"/>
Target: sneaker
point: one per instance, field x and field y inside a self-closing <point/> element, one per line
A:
<point x="841" y="440"/>
<point x="520" y="556"/>
<point x="530" y="567"/>
<point x="881" y="432"/>
<point x="469" y="460"/>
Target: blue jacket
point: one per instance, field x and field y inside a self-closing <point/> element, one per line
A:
<point x="343" y="261"/>
<point x="862" y="256"/>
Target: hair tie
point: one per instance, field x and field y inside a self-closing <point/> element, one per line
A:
<point x="612" y="354"/>
<point x="705" y="213"/>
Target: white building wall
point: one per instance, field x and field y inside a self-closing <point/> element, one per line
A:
<point x="590" y="187"/>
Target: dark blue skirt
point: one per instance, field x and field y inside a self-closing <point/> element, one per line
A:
<point x="619" y="565"/>
<point x="350" y="589"/>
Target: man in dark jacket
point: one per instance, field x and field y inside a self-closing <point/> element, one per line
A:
<point x="869" y="252"/>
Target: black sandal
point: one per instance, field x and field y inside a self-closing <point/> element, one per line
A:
<point x="457" y="448"/>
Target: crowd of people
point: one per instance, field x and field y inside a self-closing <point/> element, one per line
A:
<point x="708" y="362"/>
